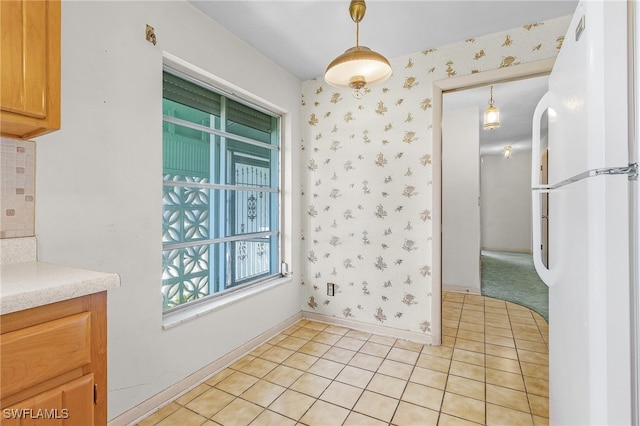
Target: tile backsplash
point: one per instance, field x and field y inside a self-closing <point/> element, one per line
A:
<point x="17" y="188"/>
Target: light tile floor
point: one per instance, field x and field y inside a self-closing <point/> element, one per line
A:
<point x="492" y="368"/>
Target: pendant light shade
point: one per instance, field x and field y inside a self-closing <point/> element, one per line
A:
<point x="491" y="115"/>
<point x="358" y="67"/>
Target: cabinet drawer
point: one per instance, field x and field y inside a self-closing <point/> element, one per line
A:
<point x="69" y="404"/>
<point x="38" y="353"/>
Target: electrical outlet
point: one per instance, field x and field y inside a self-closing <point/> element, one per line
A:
<point x="330" y="289"/>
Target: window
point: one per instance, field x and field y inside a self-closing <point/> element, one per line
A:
<point x="221" y="193"/>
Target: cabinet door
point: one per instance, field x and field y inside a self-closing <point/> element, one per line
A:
<point x="68" y="404"/>
<point x="24" y="52"/>
<point x="30" y="65"/>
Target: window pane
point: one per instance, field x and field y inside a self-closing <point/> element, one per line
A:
<point x="191" y="273"/>
<point x="187" y="93"/>
<point x="192" y="115"/>
<point x="185" y="275"/>
<point x="252" y="153"/>
<point x="185" y="214"/>
<point x="250" y="212"/>
<point x="190" y="155"/>
<point x="246" y="121"/>
<point x="190" y="214"/>
<point x="249" y="259"/>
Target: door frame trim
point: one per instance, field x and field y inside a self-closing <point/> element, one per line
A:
<point x="500" y="75"/>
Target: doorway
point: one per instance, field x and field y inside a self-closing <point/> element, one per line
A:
<point x="486" y="200"/>
<point x="455" y="84"/>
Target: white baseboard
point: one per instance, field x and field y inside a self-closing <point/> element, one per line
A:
<point x="413" y="336"/>
<point x="174" y="391"/>
<point x="460" y="289"/>
<point x="507" y="250"/>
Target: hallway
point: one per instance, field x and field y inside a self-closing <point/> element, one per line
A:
<point x="492" y="368"/>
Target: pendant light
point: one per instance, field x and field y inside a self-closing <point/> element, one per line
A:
<point x="358" y="67"/>
<point x="507" y="151"/>
<point x="491" y="115"/>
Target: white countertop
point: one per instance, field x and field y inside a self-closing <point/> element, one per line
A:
<point x="30" y="284"/>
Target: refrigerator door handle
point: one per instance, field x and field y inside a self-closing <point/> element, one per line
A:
<point x="631" y="170"/>
<point x="538" y="189"/>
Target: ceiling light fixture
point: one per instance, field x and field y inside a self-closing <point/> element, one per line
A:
<point x="491" y="115"/>
<point x="358" y="67"/>
<point x="507" y="151"/>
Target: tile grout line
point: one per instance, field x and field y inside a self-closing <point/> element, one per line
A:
<point x="332" y="380"/>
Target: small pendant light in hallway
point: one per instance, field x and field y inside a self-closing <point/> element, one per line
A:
<point x="491" y="115"/>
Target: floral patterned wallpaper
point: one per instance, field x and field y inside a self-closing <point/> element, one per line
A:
<point x="367" y="182"/>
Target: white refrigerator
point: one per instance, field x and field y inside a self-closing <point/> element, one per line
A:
<point x="592" y="218"/>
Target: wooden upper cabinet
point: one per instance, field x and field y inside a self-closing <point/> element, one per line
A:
<point x="30" y="67"/>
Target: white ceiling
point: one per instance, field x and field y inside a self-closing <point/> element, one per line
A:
<point x="303" y="36"/>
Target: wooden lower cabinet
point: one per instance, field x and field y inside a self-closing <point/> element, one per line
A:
<point x="53" y="364"/>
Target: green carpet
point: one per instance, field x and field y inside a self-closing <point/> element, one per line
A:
<point x="512" y="277"/>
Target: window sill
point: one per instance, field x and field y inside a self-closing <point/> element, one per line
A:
<point x="173" y="319"/>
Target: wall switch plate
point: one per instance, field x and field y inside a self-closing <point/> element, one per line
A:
<point x="330" y="289"/>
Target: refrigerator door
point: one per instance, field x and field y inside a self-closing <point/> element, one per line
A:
<point x="588" y="270"/>
<point x="588" y="304"/>
<point x="590" y="86"/>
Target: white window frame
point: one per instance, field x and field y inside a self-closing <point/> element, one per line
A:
<point x="197" y="308"/>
